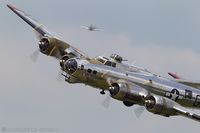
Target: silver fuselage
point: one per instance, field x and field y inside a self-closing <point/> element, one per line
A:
<point x="184" y="95"/>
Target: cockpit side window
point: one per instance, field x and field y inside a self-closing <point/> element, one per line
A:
<point x="100" y="60"/>
<point x="109" y="63"/>
<point x="106" y="61"/>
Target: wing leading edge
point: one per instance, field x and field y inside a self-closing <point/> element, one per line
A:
<point x="59" y="46"/>
<point x="32" y="22"/>
<point x="184" y="112"/>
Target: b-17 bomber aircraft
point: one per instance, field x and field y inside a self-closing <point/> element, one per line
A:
<point x="129" y="84"/>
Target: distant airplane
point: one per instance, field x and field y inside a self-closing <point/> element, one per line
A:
<point x="91" y="27"/>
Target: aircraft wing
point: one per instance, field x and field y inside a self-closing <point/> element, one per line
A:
<point x="84" y="27"/>
<point x="98" y="29"/>
<point x="58" y="47"/>
<point x="194" y="84"/>
<point x="186" y="113"/>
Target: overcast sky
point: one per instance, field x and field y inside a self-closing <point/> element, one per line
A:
<point x="161" y="36"/>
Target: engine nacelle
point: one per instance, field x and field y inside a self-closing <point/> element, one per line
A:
<point x="160" y="105"/>
<point x="128" y="93"/>
<point x="51" y="47"/>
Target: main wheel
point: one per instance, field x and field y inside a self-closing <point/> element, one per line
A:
<point x="128" y="104"/>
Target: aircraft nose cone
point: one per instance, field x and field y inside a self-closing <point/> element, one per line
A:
<point x="70" y="66"/>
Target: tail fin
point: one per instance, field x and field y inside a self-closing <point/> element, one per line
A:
<point x="174" y="75"/>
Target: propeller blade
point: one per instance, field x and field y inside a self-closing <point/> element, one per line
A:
<point x="60" y="76"/>
<point x="106" y="102"/>
<point x="38" y="35"/>
<point x="34" y="55"/>
<point x="138" y="111"/>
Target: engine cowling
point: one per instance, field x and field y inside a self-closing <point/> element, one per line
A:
<point x="44" y="44"/>
<point x="70" y="66"/>
<point x="128" y="93"/>
<point x="118" y="90"/>
<point x="160" y="105"/>
<point x="63" y="60"/>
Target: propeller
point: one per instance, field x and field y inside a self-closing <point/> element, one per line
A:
<point x="60" y="76"/>
<point x="106" y="102"/>
<point x="139" y="111"/>
<point x="38" y="35"/>
<point x="34" y="55"/>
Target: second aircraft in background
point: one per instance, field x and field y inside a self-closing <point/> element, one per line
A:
<point x="91" y="27"/>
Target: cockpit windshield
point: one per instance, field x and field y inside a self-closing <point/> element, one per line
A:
<point x="105" y="61"/>
<point x="101" y="59"/>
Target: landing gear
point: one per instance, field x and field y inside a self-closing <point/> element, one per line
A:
<point x="128" y="104"/>
<point x="102" y="92"/>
